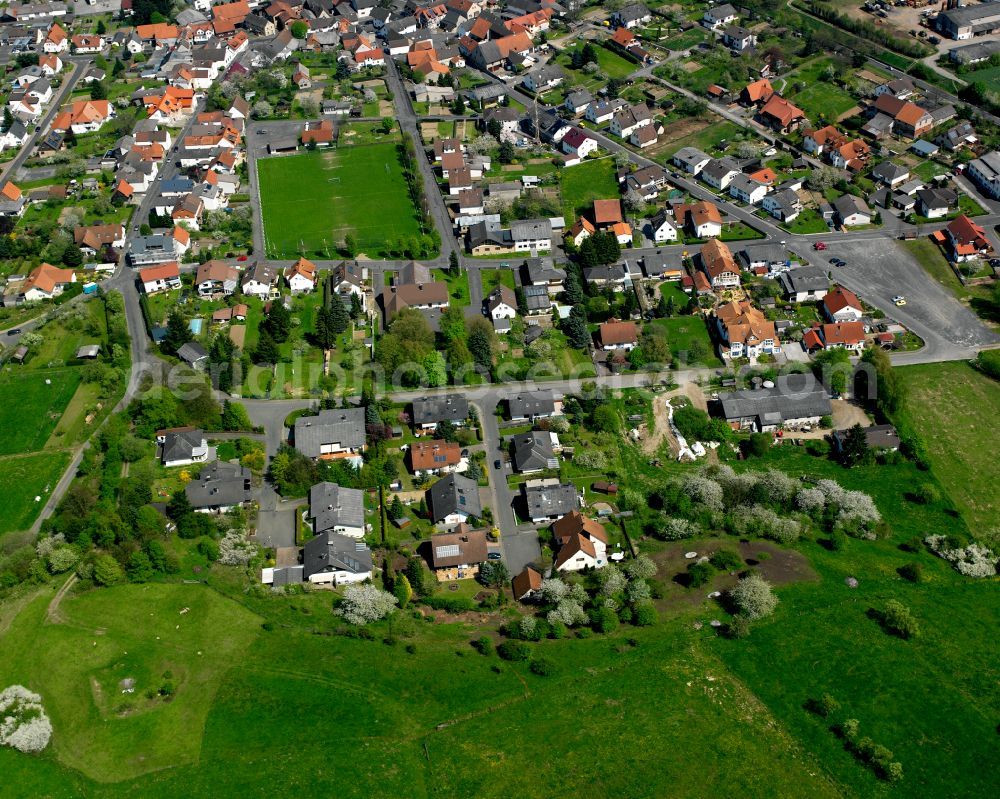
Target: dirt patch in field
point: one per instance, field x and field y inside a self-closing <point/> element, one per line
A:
<point x="690" y="66"/>
<point x="777" y="565"/>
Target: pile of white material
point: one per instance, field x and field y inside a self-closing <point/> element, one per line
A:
<point x="695" y="451"/>
<point x="23" y="723"/>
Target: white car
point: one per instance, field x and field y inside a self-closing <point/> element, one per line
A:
<point x="899" y="299"/>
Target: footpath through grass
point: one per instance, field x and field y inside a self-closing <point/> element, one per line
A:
<point x="311" y="201"/>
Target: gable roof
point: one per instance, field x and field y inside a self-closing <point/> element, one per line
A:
<point x="780" y="109"/>
<point x="461" y="547"/>
<point x="332" y="505"/>
<point x="343" y="426"/>
<point x="450" y="407"/>
<point x="575" y="523"/>
<point x="331" y="551"/>
<point x="616" y="332"/>
<point x="434" y="454"/>
<point x="607" y="212"/>
<point x="839" y="298"/>
<point x="454" y="494"/>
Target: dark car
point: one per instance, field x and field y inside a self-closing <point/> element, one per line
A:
<point x="496" y="464"/>
<point x="494" y="556"/>
<point x="14" y="331"/>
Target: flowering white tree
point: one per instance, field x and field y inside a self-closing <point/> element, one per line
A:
<point x="857" y="507"/>
<point x="23" y="723"/>
<point x="62" y="559"/>
<point x="777" y="486"/>
<point x="363" y="604"/>
<point x="676" y="529"/>
<point x="612" y="580"/>
<point x="703" y="490"/>
<point x="569" y="612"/>
<point x="526" y="627"/>
<point x="46" y="544"/>
<point x="553" y="589"/>
<point x="642" y="568"/>
<point x="235" y="549"/>
<point x="754" y="597"/>
<point x="974" y="560"/>
<point x="810" y="500"/>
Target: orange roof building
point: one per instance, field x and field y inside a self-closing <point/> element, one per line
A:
<point x="780" y="115"/>
<point x="745" y="331"/>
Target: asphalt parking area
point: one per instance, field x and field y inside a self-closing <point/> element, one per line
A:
<point x="880" y="269"/>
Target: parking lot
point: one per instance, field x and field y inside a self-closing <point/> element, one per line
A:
<point x="879" y="270"/>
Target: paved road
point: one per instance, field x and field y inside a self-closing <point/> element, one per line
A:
<point x="77" y="67"/>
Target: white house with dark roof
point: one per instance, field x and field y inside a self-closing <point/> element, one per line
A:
<point x="334" y="508"/>
<point x="336" y="433"/>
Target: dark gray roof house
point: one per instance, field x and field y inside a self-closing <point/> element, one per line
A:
<point x="220" y="486"/>
<point x="332" y="552"/>
<point x="548" y="500"/>
<point x="453" y="496"/>
<point x="183" y="445"/>
<point x="805" y="280"/>
<point x="334" y="507"/>
<point x="532" y="452"/>
<point x="447" y="407"/>
<point x="532" y="404"/>
<point x="794" y="399"/>
<point x="330" y="432"/>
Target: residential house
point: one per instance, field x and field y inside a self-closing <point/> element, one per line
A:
<point x="601" y="111"/>
<point x="46" y="282"/>
<point x="691" y="160"/>
<point x="219" y="487"/>
<point x="985" y="173"/>
<point x="526" y="584"/>
<point x="541" y="79"/>
<point x="616" y="335"/>
<point x="534" y="452"/>
<point x="84" y="116"/>
<point x="347" y="280"/>
<point x="745" y="189"/>
<point x="719" y="266"/>
<point x="852" y="210"/>
<point x="781" y="116"/>
<point x="756" y="93"/>
<point x="878" y="437"/>
<point x="546" y="500"/>
<point x="719" y="16"/>
<point x="908" y="119"/>
<point x="631" y="16"/>
<point x="428" y="412"/>
<point x="459" y="554"/>
<point x="454" y="500"/>
<point x="628" y="119"/>
<point x="336" y="509"/>
<point x="889" y="174"/>
<point x="965" y="239"/>
<point x="434" y="457"/>
<point x="783" y="205"/>
<point x="841" y="305"/>
<point x="900" y="88"/>
<point x="301" y="276"/>
<point x="935" y="203"/>
<point x="193" y="354"/>
<point x="738" y="39"/>
<point x="182" y="446"/>
<point x="804" y="284"/>
<point x="333" y="559"/>
<point x="543" y="273"/>
<point x="663" y="227"/>
<point x="577" y="101"/>
<point x="838" y="335"/>
<point x="718" y="172"/>
<point x="701" y="218"/>
<point x="579" y="143"/>
<point x="12" y="200"/>
<point x="962" y="135"/>
<point x="767" y="256"/>
<point x="501" y="303"/>
<point x="744" y="332"/>
<point x="532" y="405"/>
<point x="331" y="434"/>
<point x="582" y="543"/>
<point x="163" y="277"/>
<point x="260" y="280"/>
<point x="215" y="278"/>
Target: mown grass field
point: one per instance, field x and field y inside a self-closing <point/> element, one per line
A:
<point x="580" y="185"/>
<point x="30" y="407"/>
<point x="24" y="477"/>
<point x="955" y="408"/>
<point x="311" y="201"/>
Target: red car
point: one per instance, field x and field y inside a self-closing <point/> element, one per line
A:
<point x="242" y="258"/>
<point x="819" y="245"/>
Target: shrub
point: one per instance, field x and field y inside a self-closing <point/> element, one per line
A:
<point x="699" y="573"/>
<point x="451" y="604"/>
<point x="726" y="560"/>
<point x="753" y="597"/>
<point x="897" y="619"/>
<point x="209" y="549"/>
<point x="642" y="568"/>
<point x="514" y="651"/>
<point x="926" y="494"/>
<point x="738" y="627"/>
<point x="645" y="615"/>
<point x="603" y="620"/>
<point x="542" y="666"/>
<point x="483" y="645"/>
<point x="913" y="572"/>
<point x="825" y="706"/>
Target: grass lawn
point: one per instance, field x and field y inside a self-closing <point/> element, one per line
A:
<point x="808" y="221"/>
<point x="22" y="478"/>
<point x="40" y="396"/>
<point x="496" y="277"/>
<point x="108" y="735"/>
<point x="580" y="185"/>
<point x="689" y="341"/>
<point x="312" y="200"/>
<point x="954" y="408"/>
<point x="458" y="287"/>
<point x="824" y="101"/>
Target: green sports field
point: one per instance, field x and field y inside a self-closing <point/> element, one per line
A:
<point x="310" y="202"/>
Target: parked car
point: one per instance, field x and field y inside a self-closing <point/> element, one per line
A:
<point x="819" y="245"/>
<point x="14" y="331"/>
<point x="899" y="299"/>
<point x="493" y="556"/>
<point x="497" y="464"/>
